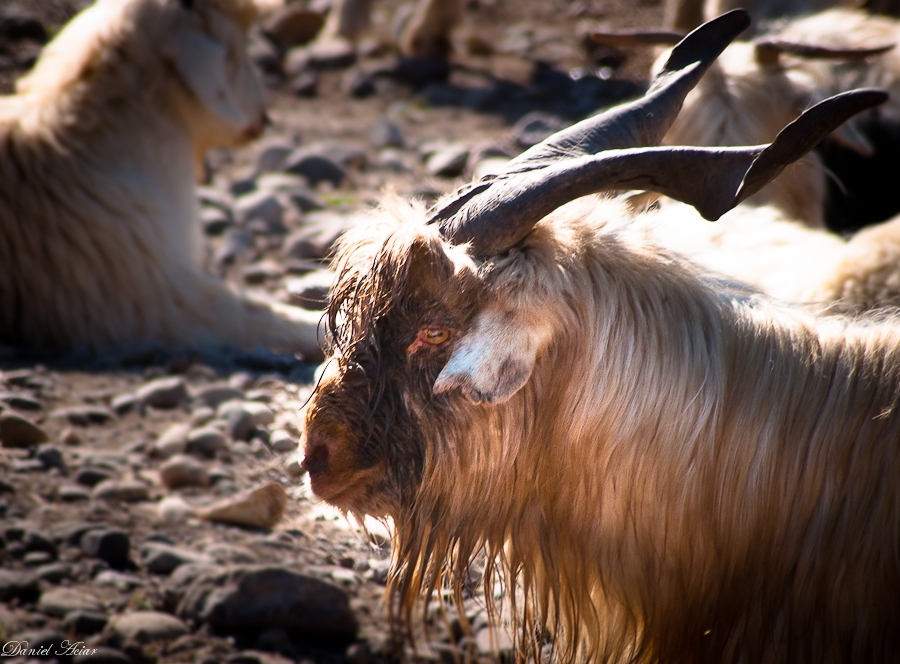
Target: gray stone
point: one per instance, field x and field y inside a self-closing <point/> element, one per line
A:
<point x="54" y="572"/>
<point x="102" y="655"/>
<point x="316" y="237"/>
<point x="271" y="154"/>
<point x="212" y="197"/>
<point x="243" y="417"/>
<point x="84" y="622"/>
<point x="261" y="272"/>
<point x="70" y="533"/>
<point x="83" y="415"/>
<point x="304" y="83"/>
<point x="259" y="598"/>
<point x="214" y="221"/>
<point x="237" y="246"/>
<point x="109" y="545"/>
<point x="71" y="493"/>
<point x="282" y="441"/>
<point x="449" y="162"/>
<point x="58" y="602"/>
<point x="229" y="554"/>
<point x="19" y="585"/>
<point x="311" y="291"/>
<point x="330" y="54"/>
<point x="123" y="582"/>
<point x="215" y="394"/>
<point x="315" y="168"/>
<point x="16" y="430"/>
<point x="262" y="205"/>
<point x="385" y="133"/>
<point x="182" y="470"/>
<point x="206" y="442"/>
<point x="124" y="403"/>
<point x="27" y="466"/>
<point x="51" y="456"/>
<point x="147" y="626"/>
<point x="161" y="558"/>
<point x="91" y="477"/>
<point x="168" y="392"/>
<point x="259" y="508"/>
<point x="19" y="401"/>
<point x="172" y="441"/>
<point x="128" y="491"/>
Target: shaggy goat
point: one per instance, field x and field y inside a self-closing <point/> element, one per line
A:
<point x="665" y="467"/>
<point x="99" y="232"/>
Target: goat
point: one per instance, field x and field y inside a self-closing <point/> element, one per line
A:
<point x="663" y="466"/>
<point x="99" y="147"/>
<point x="427" y="35"/>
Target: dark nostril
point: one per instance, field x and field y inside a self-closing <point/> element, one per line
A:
<point x="315" y="460"/>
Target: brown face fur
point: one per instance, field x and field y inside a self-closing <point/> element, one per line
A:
<point x="364" y="446"/>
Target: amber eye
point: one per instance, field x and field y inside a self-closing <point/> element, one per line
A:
<point x="435" y="337"/>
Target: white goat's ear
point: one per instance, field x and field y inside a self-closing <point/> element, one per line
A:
<point x="494" y="359"/>
<point x="201" y="64"/>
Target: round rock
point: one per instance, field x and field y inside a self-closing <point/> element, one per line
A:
<point x="172" y="441"/>
<point x="58" y="602"/>
<point x="206" y="442"/>
<point x="111" y="546"/>
<point x="168" y="392"/>
<point x="18" y="431"/>
<point x="181" y="471"/>
<point x="128" y="491"/>
<point x="147" y="626"/>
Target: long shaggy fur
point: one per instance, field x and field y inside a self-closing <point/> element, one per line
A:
<point x="99" y="240"/>
<point x="688" y="472"/>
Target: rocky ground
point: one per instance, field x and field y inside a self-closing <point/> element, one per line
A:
<point x="152" y="508"/>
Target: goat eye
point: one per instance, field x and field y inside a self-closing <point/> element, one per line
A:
<point x="435" y="337"/>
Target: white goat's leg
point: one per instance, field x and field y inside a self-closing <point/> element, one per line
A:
<point x="348" y="19"/>
<point x="427" y="35"/>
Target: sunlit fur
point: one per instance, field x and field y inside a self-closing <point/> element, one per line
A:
<point x="691" y="472"/>
<point x="99" y="235"/>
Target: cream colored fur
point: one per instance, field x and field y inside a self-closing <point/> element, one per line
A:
<point x="662" y="465"/>
<point x="99" y="233"/>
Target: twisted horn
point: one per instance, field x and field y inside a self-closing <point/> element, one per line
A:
<point x="642" y="122"/>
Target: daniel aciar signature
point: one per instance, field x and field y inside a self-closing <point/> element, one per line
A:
<point x="22" y="649"/>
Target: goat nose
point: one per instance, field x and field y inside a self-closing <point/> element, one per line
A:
<point x="317" y="454"/>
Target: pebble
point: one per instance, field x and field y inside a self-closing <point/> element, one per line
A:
<point x="330" y="54"/>
<point x="173" y="509"/>
<point x="70" y="533"/>
<point x="262" y="205"/>
<point x="282" y="441"/>
<point x="181" y="471"/>
<point x="206" y="442"/>
<point x="102" y="655"/>
<point x="19" y="401"/>
<point x="110" y="545"/>
<point x="84" y="622"/>
<point x="229" y="554"/>
<point x="54" y="572"/>
<point x="215" y="394"/>
<point x="449" y="162"/>
<point x="83" y="415"/>
<point x="124" y="403"/>
<point x="147" y="626"/>
<point x="260" y="598"/>
<point x="385" y="133"/>
<point x="304" y="83"/>
<point x="311" y="291"/>
<point x="201" y="416"/>
<point x="315" y="168"/>
<point x="91" y="477"/>
<point x="172" y="441"/>
<point x="237" y="246"/>
<point x="16" y="430"/>
<point x="58" y="602"/>
<point x="212" y="197"/>
<point x="168" y="392"/>
<point x="214" y="221"/>
<point x="128" y="491"/>
<point x="294" y="466"/>
<point x="123" y="582"/>
<point x="161" y="558"/>
<point x="271" y="153"/>
<point x="260" y="508"/>
<point x="15" y="584"/>
<point x="261" y="272"/>
<point x="317" y="236"/>
<point x="71" y="493"/>
<point x="50" y="456"/>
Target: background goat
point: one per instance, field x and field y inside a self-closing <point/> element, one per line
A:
<point x="99" y="232"/>
<point x="667" y="468"/>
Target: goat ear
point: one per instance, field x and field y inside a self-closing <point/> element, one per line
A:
<point x="493" y="360"/>
<point x="201" y="64"/>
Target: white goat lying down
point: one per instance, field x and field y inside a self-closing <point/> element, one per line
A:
<point x="665" y="468"/>
<point x="99" y="232"/>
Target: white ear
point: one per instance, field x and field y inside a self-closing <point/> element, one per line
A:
<point x="201" y="64"/>
<point x="494" y="359"/>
